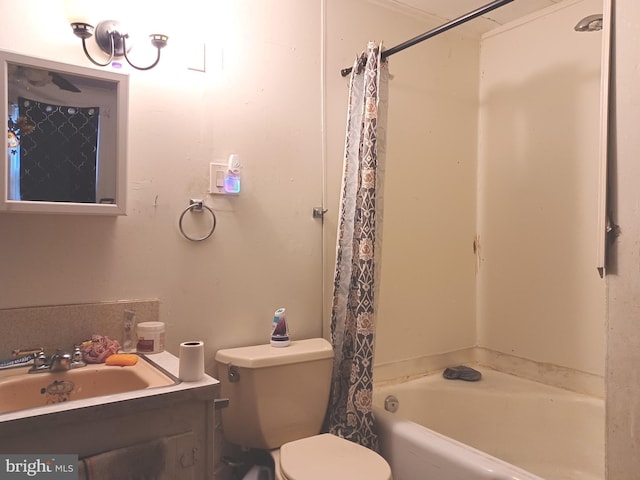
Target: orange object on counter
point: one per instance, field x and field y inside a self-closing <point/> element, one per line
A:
<point x="122" y="359"/>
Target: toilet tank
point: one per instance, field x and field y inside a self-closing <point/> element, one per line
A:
<point x="276" y="395"/>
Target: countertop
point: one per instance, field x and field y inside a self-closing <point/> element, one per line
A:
<point x="205" y="389"/>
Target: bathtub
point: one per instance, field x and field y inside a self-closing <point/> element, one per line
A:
<point x="500" y="428"/>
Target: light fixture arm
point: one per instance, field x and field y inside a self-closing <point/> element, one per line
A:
<point x="86" y="52"/>
<point x="154" y="41"/>
<point x="112" y="41"/>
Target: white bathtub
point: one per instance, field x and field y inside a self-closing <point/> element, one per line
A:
<point x="500" y="428"/>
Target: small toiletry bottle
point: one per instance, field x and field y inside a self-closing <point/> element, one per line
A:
<point x="129" y="325"/>
<point x="280" y="330"/>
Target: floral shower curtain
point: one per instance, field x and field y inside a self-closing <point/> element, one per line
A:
<point x="358" y="248"/>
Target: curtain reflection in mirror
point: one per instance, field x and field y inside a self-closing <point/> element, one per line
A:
<point x="13" y="145"/>
<point x="58" y="160"/>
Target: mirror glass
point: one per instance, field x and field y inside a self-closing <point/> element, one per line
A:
<point x="66" y="137"/>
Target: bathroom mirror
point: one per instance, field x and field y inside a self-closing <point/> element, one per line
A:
<point x="66" y="137"/>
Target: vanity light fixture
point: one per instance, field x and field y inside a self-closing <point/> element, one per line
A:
<point x="113" y="41"/>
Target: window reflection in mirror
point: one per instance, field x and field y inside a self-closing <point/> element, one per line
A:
<point x="64" y="142"/>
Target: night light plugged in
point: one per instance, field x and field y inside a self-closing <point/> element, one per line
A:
<point x="224" y="178"/>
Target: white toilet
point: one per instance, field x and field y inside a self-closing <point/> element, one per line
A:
<point x="277" y="401"/>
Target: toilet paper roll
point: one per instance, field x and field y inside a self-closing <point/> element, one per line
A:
<point x="191" y="364"/>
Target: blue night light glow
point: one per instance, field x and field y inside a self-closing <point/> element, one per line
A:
<point x="231" y="183"/>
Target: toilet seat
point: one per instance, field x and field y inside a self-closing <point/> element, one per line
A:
<point x="327" y="456"/>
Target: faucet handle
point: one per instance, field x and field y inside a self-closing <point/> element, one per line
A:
<point x="19" y="352"/>
<point x="77" y="360"/>
<point x="40" y="361"/>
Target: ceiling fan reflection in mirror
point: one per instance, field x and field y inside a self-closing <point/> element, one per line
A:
<point x="36" y="77"/>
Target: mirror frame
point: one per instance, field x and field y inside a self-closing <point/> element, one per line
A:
<point x="122" y="102"/>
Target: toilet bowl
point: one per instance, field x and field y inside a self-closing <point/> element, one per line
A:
<point x="277" y="402"/>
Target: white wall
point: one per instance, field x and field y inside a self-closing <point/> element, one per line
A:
<point x="539" y="294"/>
<point x="427" y="293"/>
<point x="264" y="105"/>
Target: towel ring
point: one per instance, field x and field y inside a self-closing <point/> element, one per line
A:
<point x="197" y="206"/>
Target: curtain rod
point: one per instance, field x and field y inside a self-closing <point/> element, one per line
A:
<point x="438" y="30"/>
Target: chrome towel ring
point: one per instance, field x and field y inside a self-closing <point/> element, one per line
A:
<point x="197" y="206"/>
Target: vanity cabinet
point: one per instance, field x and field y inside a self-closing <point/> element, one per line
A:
<point x="180" y="417"/>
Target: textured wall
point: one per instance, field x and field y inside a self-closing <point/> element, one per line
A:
<point x="259" y="98"/>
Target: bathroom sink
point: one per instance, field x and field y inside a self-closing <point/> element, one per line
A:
<point x="20" y="390"/>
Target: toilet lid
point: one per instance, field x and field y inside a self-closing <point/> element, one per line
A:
<point x="327" y="456"/>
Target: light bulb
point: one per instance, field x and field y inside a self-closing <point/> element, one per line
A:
<point x="76" y="11"/>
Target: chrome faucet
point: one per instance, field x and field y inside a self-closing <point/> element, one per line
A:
<point x="59" y="361"/>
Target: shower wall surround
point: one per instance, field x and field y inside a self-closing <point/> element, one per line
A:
<point x="539" y="294"/>
<point x="490" y="242"/>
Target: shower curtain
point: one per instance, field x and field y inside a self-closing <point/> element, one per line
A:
<point x="358" y="249"/>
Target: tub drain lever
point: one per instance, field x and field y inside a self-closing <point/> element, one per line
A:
<point x="391" y="404"/>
